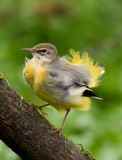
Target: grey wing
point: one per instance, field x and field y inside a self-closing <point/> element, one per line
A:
<point x="82" y="73"/>
<point x="64" y="75"/>
<point x="58" y="83"/>
<point x="61" y="79"/>
<point x="79" y="72"/>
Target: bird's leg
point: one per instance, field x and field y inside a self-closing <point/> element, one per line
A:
<point x="58" y="130"/>
<point x="39" y="107"/>
<point x="36" y="106"/>
<point x="44" y="105"/>
<point x="66" y="114"/>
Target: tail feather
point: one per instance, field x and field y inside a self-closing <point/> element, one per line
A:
<point x="90" y="93"/>
<point x="96" y="70"/>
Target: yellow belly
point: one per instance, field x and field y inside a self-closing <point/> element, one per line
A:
<point x="35" y="76"/>
<point x="82" y="103"/>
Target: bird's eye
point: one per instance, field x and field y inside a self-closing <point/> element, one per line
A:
<point x="43" y="50"/>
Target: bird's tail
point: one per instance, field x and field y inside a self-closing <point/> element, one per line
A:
<point x="89" y="93"/>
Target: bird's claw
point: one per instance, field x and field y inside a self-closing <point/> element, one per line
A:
<point x="57" y="130"/>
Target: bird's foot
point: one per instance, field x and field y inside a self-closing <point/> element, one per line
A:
<point x="57" y="130"/>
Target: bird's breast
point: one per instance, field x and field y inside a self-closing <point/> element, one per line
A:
<point x="34" y="74"/>
<point x="39" y="77"/>
<point x="28" y="72"/>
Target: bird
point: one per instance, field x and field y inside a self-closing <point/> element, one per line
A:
<point x="63" y="82"/>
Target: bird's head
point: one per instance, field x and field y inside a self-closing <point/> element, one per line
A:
<point x="45" y="52"/>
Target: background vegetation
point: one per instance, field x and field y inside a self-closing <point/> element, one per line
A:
<point x="87" y="25"/>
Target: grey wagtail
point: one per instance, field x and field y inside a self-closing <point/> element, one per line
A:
<point x="62" y="82"/>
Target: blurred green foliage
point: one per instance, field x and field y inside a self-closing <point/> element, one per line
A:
<point x="87" y="25"/>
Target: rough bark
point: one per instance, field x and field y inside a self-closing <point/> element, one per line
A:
<point x="29" y="134"/>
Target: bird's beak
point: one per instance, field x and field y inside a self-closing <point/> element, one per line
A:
<point x="28" y="50"/>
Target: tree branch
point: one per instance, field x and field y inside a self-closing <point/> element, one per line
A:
<point x="28" y="134"/>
